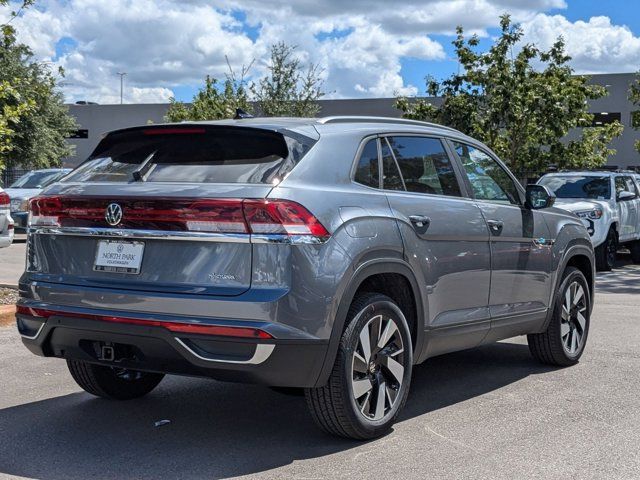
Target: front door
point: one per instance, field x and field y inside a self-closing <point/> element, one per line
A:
<point x="521" y="252"/>
<point x="627" y="207"/>
<point x="445" y="238"/>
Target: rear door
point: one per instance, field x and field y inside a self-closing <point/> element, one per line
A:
<point x="445" y="236"/>
<point x="521" y="253"/>
<point x="159" y="209"/>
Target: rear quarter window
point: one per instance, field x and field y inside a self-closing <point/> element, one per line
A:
<point x="194" y="154"/>
<point x="367" y="170"/>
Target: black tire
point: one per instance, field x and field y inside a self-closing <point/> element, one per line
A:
<point x="333" y="406"/>
<point x="550" y="346"/>
<point x="634" y="248"/>
<point x="112" y="383"/>
<point x="607" y="252"/>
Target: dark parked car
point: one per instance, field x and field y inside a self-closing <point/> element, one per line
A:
<point x="327" y="254"/>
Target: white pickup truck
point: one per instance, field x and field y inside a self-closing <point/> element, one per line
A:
<point x="608" y="204"/>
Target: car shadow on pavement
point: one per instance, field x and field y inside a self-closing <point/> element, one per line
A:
<point x="624" y="278"/>
<point x="217" y="430"/>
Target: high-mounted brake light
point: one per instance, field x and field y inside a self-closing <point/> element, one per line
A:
<point x="218" y="215"/>
<point x="5" y="201"/>
<point x="174" y="131"/>
<point x="177" y="327"/>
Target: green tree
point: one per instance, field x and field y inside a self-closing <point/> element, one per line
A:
<point x="522" y="105"/>
<point x="288" y="89"/>
<point x="12" y="109"/>
<point x="634" y="97"/>
<point x="34" y="118"/>
<point x="214" y="101"/>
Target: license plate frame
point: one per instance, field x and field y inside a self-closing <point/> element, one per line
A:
<point x="114" y="256"/>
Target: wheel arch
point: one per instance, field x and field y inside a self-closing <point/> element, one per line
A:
<point x="577" y="255"/>
<point x="366" y="275"/>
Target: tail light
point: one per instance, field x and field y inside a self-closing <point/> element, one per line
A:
<point x="281" y="217"/>
<point x="238" y="216"/>
<point x="5" y="201"/>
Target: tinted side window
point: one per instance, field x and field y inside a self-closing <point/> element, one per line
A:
<point x="489" y="180"/>
<point x="425" y="165"/>
<point x="367" y="169"/>
<point x="391" y="179"/>
<point x="624" y="184"/>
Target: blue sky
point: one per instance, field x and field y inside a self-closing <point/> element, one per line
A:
<point x="367" y="48"/>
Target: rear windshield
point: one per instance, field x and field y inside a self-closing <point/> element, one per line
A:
<point x="37" y="179"/>
<point x="578" y="186"/>
<point x="194" y="154"/>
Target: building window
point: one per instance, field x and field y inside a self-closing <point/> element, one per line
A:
<point x="605" y="118"/>
<point x="82" y="133"/>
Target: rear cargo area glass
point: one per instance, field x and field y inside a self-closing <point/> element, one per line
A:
<point x="193" y="154"/>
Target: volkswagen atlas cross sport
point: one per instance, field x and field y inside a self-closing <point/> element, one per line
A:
<point x="327" y="254"/>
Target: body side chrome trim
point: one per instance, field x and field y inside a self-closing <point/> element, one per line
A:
<point x="132" y="233"/>
<point x="262" y="353"/>
<point x="177" y="235"/>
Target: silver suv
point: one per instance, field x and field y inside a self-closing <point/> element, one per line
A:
<point x="327" y="254"/>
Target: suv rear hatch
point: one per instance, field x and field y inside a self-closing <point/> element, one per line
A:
<point x="163" y="209"/>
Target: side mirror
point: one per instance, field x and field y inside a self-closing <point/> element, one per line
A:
<point x="539" y="196"/>
<point x="624" y="195"/>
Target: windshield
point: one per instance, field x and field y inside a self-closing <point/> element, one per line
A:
<point x="578" y="186"/>
<point x="37" y="179"/>
<point x="193" y="155"/>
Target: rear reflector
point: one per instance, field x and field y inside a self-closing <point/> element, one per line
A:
<point x="197" y="328"/>
<point x="224" y="215"/>
<point x="5" y="201"/>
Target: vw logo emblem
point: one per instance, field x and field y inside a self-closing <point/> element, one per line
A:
<point x="113" y="214"/>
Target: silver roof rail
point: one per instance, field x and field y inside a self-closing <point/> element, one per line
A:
<point x="366" y="119"/>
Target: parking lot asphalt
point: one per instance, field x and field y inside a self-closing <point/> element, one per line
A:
<point x="491" y="412"/>
<point x="12" y="261"/>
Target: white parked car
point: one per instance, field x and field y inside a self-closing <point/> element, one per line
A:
<point x="28" y="186"/>
<point x="6" y="222"/>
<point x="609" y="205"/>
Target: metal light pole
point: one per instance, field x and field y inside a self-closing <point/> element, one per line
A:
<point x="122" y="74"/>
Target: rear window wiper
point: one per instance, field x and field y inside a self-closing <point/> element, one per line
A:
<point x="140" y="173"/>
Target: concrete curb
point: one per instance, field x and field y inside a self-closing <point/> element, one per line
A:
<point x="7" y="314"/>
<point x="9" y="285"/>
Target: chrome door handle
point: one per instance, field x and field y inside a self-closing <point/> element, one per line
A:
<point x="495" y="226"/>
<point x="420" y="222"/>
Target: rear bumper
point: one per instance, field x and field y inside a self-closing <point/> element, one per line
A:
<point x="275" y="361"/>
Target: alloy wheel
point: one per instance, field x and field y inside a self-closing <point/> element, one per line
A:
<point x="573" y="322"/>
<point x="378" y="367"/>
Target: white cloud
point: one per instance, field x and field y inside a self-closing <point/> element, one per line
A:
<point x="167" y="44"/>
<point x="596" y="45"/>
